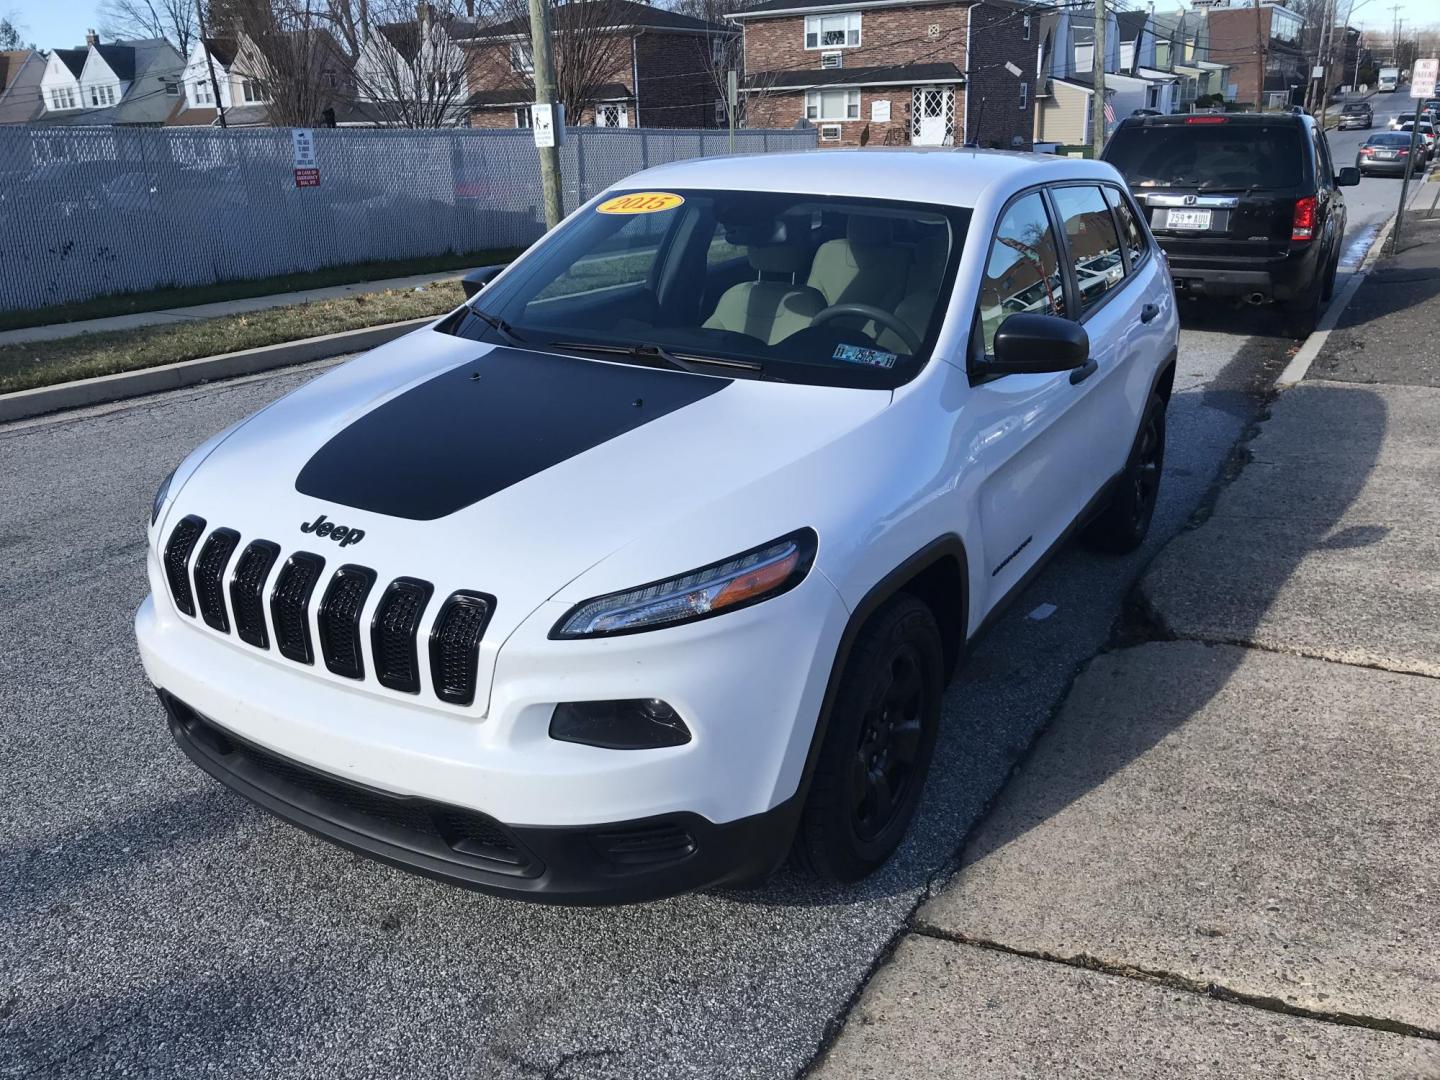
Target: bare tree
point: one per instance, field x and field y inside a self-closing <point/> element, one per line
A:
<point x="287" y="45"/>
<point x="588" y="53"/>
<point x="409" y="66"/>
<point x="173" y="20"/>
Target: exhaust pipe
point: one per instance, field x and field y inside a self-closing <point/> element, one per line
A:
<point x="1256" y="298"/>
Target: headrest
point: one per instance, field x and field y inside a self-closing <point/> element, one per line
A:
<point x="867" y="230"/>
<point x="776" y="258"/>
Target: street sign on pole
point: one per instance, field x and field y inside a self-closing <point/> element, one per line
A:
<point x="1422" y="85"/>
<point x="548" y="124"/>
<point x="1422" y="78"/>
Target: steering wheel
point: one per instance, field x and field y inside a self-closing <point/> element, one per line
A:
<point x="875" y="314"/>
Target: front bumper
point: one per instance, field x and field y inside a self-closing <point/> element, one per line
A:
<point x="614" y="863"/>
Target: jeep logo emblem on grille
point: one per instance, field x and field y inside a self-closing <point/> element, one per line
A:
<point x="341" y="534"/>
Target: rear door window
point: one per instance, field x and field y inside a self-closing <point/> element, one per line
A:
<point x="1208" y="156"/>
<point x="1094" y="244"/>
<point x="1132" y="235"/>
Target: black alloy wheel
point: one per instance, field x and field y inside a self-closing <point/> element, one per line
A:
<point x="1125" y="521"/>
<point x="876" y="752"/>
<point x="883" y="765"/>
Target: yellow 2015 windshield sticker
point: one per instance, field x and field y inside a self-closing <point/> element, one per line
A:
<point x="640" y="202"/>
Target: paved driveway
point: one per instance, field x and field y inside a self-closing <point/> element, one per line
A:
<point x="154" y="924"/>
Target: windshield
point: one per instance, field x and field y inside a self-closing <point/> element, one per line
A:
<point x="798" y="287"/>
<point x="1220" y="155"/>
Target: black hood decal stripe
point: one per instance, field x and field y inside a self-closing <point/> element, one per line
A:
<point x="479" y="428"/>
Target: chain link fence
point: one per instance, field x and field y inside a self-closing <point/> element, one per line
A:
<point x="89" y="211"/>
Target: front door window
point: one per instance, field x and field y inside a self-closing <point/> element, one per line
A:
<point x="613" y="115"/>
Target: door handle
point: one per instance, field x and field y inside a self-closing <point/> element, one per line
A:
<point x="1148" y="312"/>
<point x="1083" y="372"/>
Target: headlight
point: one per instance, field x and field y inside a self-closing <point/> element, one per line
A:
<point x="747" y="578"/>
<point x="160" y="495"/>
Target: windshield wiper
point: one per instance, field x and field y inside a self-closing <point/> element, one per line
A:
<point x="499" y="325"/>
<point x="680" y="362"/>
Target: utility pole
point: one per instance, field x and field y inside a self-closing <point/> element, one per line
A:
<point x="1328" y="46"/>
<point x="209" y="61"/>
<point x="544" y="75"/>
<point x="1261" y="59"/>
<point x="1097" y="81"/>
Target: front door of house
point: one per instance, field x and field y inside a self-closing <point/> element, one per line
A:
<point x="932" y="116"/>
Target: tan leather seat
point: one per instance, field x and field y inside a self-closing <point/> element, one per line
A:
<point x="922" y="290"/>
<point x="768" y="310"/>
<point x="867" y="267"/>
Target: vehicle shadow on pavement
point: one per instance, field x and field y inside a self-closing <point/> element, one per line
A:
<point x="1223" y="316"/>
<point x="40" y="873"/>
<point x="1254" y="575"/>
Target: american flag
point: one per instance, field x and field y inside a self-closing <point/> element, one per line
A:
<point x="1109" y="113"/>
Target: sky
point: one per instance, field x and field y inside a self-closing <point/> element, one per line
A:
<point x="62" y="23"/>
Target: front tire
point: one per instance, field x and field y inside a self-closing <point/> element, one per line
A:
<point x="878" y="745"/>
<point x="1122" y="526"/>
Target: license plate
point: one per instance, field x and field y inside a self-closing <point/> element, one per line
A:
<point x="1385" y="154"/>
<point x="1187" y="219"/>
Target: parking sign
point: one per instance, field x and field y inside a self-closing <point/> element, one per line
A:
<point x="1422" y="82"/>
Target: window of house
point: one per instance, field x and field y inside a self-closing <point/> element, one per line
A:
<point x="520" y="58"/>
<point x="251" y="90"/>
<point x="721" y="115"/>
<point x="523" y="117"/>
<point x="832" y="31"/>
<point x="101" y="96"/>
<point x="1022" y="272"/>
<point x="204" y="93"/>
<point x="830" y="133"/>
<point x="717" y="51"/>
<point x="612" y="114"/>
<point x="832" y="105"/>
<point x="172" y="88"/>
<point x="1094" y="244"/>
<point x="1025" y="28"/>
<point x="1024" y="94"/>
<point x="63" y="98"/>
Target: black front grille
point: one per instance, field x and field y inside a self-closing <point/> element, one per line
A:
<point x="290" y="605"/>
<point x="340" y="620"/>
<point x="455" y="645"/>
<point x="210" y="577"/>
<point x="247" y="586"/>
<point x="177" y="559"/>
<point x="417" y="823"/>
<point x="392" y="633"/>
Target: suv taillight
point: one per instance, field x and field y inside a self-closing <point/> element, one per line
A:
<point x="1302" y="226"/>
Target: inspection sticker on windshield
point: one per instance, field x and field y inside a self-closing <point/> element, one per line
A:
<point x="854" y="354"/>
<point x="640" y="202"/>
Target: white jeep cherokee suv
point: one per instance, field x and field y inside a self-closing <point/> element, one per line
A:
<point x="649" y="564"/>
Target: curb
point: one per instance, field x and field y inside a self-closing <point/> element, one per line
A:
<point x="23" y="404"/>
<point x="1299" y="365"/>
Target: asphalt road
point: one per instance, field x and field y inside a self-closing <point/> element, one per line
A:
<point x="152" y="924"/>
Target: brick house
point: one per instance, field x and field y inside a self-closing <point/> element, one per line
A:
<point x="893" y="72"/>
<point x="1234" y="33"/>
<point x="629" y="64"/>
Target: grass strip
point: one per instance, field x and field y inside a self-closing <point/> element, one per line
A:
<point x="102" y="307"/>
<point x="44" y="363"/>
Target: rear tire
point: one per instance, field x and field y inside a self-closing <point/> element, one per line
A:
<point x="1328" y="289"/>
<point x="1122" y="526"/>
<point x="877" y="749"/>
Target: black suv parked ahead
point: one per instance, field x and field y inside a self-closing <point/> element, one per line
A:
<point x="1245" y="205"/>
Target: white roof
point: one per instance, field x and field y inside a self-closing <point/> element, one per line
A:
<point x="941" y="176"/>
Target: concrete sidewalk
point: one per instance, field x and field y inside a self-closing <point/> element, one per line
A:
<point x="138" y="319"/>
<point x="1223" y="858"/>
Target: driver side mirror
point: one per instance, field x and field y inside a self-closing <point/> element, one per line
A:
<point x="1347" y="177"/>
<point x="1029" y="344"/>
<point x="476" y="280"/>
